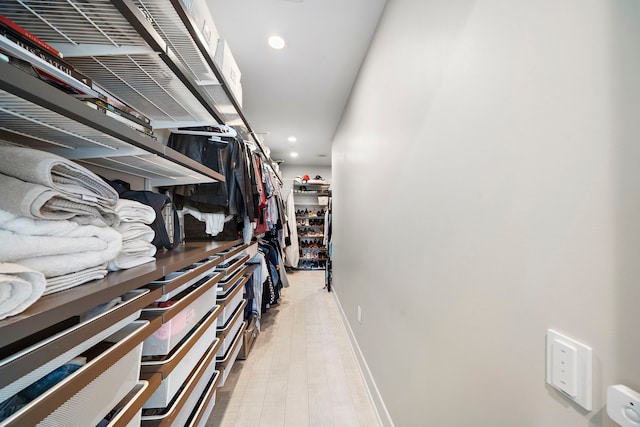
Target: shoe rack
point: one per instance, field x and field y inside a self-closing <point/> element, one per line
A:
<point x="311" y="203"/>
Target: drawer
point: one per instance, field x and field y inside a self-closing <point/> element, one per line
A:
<point x="252" y="249"/>
<point x="200" y="415"/>
<point x="228" y="332"/>
<point x="50" y="353"/>
<point x="224" y="364"/>
<point x="128" y="411"/>
<point x="231" y="252"/>
<point x="225" y="284"/>
<point x="230" y="300"/>
<point x="188" y="402"/>
<point x="187" y="309"/>
<point x="230" y="267"/>
<point x="177" y="281"/>
<point x="111" y="372"/>
<point x="176" y="367"/>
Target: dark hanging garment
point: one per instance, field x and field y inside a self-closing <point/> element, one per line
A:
<point x="210" y="197"/>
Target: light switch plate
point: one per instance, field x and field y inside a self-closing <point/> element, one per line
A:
<point x="569" y="365"/>
<point x="623" y="405"/>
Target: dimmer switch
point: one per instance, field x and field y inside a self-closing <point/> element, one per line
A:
<point x="564" y="361"/>
<point x="569" y="368"/>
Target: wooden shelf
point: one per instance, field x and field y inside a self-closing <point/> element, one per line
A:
<point x="55" y="308"/>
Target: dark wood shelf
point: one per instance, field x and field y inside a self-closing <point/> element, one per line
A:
<point x="55" y="308"/>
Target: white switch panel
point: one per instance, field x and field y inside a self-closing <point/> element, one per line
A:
<point x="569" y="368"/>
<point x="623" y="405"/>
<point x="564" y="365"/>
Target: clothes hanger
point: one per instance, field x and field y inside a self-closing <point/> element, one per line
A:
<point x="226" y="131"/>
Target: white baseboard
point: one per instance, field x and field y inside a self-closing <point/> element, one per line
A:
<point x="384" y="418"/>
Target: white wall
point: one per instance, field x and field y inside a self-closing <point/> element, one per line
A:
<point x="494" y="147"/>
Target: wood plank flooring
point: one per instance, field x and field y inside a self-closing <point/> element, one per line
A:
<point x="301" y="370"/>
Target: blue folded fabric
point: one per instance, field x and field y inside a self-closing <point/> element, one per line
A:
<point x="24" y="397"/>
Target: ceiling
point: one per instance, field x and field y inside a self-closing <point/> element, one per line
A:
<point x="300" y="90"/>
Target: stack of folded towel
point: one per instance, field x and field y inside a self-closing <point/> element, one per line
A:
<point x="56" y="220"/>
<point x="40" y="185"/>
<point x="137" y="236"/>
<point x="67" y="253"/>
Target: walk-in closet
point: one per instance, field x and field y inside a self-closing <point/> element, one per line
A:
<point x="319" y="213"/>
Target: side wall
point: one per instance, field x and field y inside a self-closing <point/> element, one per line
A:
<point x="487" y="188"/>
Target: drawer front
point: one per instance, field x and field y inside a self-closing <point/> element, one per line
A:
<point x="179" y="319"/>
<point x="130" y="408"/>
<point x="233" y="266"/>
<point x="231" y="329"/>
<point x="225" y="363"/>
<point x="176" y="282"/>
<point x="65" y="345"/>
<point x="187" y="402"/>
<point x="72" y="402"/>
<point x="183" y="366"/>
<point x="231" y="302"/>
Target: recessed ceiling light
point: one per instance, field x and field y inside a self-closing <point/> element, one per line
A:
<point x="276" y="42"/>
<point x="292" y="139"/>
<point x="294" y="154"/>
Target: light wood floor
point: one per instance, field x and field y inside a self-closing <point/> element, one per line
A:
<point x="301" y="370"/>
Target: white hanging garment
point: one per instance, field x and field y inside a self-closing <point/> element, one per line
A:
<point x="292" y="252"/>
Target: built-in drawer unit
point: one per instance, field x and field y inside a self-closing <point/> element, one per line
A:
<point x="176" y="366"/>
<point x="230" y="300"/>
<point x="228" y="331"/>
<point x="128" y="411"/>
<point x="227" y="254"/>
<point x="87" y="395"/>
<point x="191" y="399"/>
<point x="177" y="281"/>
<point x="252" y="249"/>
<point x="179" y="315"/>
<point x="230" y="268"/>
<point x="200" y="415"/>
<point x="225" y="284"/>
<point x="82" y="332"/>
<point x="224" y="363"/>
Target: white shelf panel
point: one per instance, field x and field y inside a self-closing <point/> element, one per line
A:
<point x="175" y="34"/>
<point x="39" y="116"/>
<point x="146" y="52"/>
<point x="147" y="84"/>
<point x="160" y="172"/>
<point x="74" y="22"/>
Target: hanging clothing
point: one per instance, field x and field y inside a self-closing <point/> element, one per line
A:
<point x="292" y="251"/>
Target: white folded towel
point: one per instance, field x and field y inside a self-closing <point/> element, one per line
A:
<point x="135" y="231"/>
<point x="53" y="171"/>
<point x="132" y="254"/>
<point x="138" y="247"/>
<point x="71" y="280"/>
<point x="41" y="202"/>
<point x="19" y="288"/>
<point x="134" y="211"/>
<point x="56" y="248"/>
<point x="124" y="261"/>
